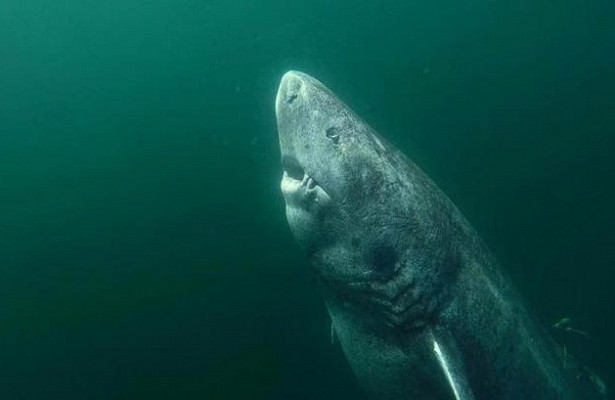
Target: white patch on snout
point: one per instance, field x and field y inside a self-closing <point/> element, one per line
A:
<point x="291" y="82"/>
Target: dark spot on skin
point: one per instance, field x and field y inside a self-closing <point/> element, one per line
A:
<point x="355" y="242"/>
<point x="291" y="98"/>
<point x="383" y="258"/>
<point x="333" y="135"/>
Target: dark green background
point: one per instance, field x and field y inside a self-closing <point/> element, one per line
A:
<point x="143" y="248"/>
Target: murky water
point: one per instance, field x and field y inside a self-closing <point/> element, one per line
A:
<point x="143" y="247"/>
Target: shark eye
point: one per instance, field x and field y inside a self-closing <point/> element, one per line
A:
<point x="332" y="134"/>
<point x="382" y="258"/>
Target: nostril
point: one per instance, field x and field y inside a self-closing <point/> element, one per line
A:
<point x="292" y="88"/>
<point x="291" y="98"/>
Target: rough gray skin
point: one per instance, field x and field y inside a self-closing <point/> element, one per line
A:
<point x="418" y="303"/>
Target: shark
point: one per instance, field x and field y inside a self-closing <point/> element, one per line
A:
<point x="420" y="306"/>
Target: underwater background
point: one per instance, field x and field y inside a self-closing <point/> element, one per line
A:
<point x="144" y="251"/>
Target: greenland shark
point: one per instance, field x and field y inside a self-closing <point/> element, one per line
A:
<point x="418" y="303"/>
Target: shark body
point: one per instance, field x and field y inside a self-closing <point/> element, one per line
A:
<point x="420" y="306"/>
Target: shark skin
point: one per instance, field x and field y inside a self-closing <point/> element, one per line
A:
<point x="418" y="303"/>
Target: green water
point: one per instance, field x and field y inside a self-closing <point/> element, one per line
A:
<point x="143" y="248"/>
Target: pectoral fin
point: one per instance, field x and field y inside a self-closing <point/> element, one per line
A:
<point x="452" y="366"/>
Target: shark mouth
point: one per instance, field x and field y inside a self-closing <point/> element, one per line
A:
<point x="299" y="188"/>
<point x="292" y="168"/>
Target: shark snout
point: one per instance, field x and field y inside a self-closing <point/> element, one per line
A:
<point x="290" y="90"/>
<point x="304" y="152"/>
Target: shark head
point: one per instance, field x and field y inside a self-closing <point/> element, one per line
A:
<point x="365" y="214"/>
<point x="332" y="166"/>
